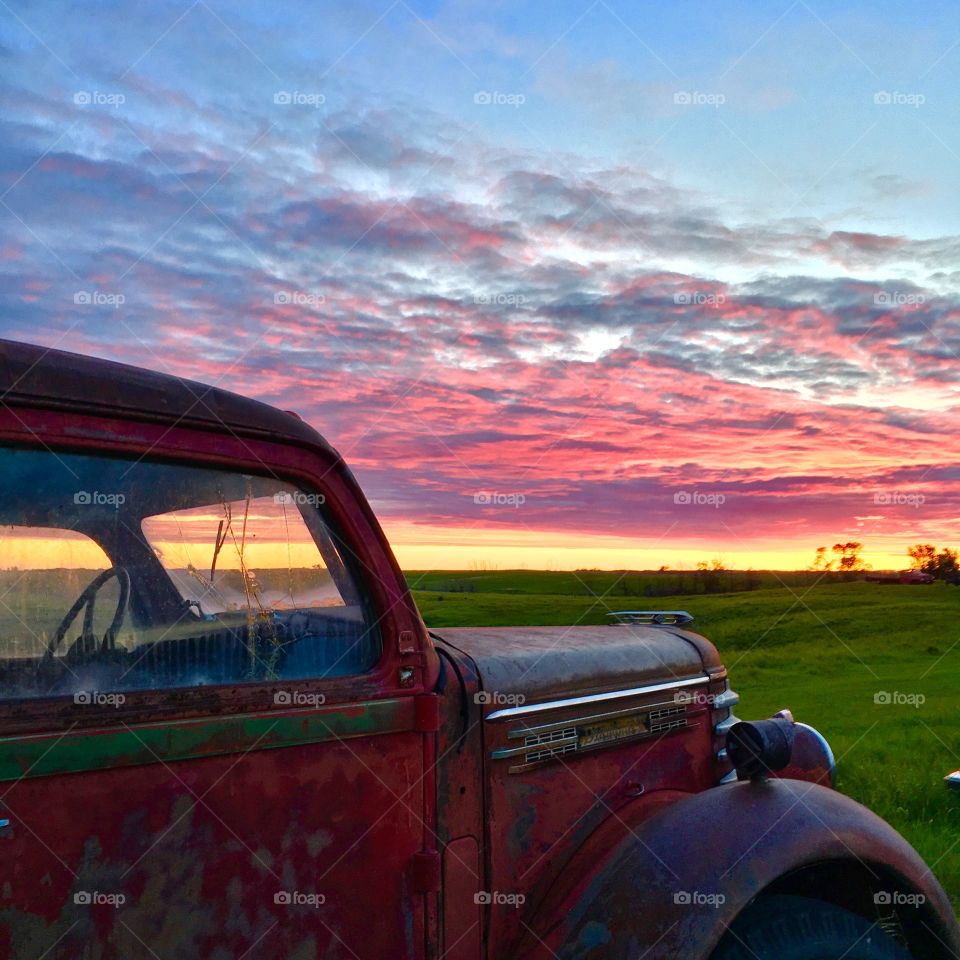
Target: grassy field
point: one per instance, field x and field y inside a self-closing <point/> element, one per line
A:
<point x="824" y="650"/>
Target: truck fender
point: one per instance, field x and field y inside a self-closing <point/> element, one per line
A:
<point x="674" y="883"/>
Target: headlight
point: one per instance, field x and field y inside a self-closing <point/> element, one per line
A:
<point x="761" y="747"/>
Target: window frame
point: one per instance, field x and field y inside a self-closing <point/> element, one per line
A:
<point x="312" y="467"/>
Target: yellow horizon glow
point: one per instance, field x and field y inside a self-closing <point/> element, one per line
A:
<point x="74" y="551"/>
<point x="426" y="547"/>
<point x="421" y="547"/>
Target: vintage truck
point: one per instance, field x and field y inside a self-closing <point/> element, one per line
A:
<point x="225" y="731"/>
<point x="902" y="577"/>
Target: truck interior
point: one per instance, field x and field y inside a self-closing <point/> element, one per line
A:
<point x="137" y="574"/>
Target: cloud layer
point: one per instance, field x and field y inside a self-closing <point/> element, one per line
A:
<point x="463" y="318"/>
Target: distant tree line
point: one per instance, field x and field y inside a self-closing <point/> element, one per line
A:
<point x="707" y="578"/>
<point x="452" y="586"/>
<point x="944" y="563"/>
<point x="847" y="558"/>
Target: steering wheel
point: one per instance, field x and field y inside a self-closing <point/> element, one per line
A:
<point x="87" y="642"/>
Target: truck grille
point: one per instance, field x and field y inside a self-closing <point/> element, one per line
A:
<point x="548" y="744"/>
<point x="548" y="741"/>
<point x="667" y="719"/>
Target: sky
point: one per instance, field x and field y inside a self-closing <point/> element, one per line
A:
<point x="572" y="284"/>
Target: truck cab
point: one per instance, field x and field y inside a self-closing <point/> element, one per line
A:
<point x="225" y="731"/>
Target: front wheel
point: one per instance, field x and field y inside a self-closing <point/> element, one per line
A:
<point x="798" y="928"/>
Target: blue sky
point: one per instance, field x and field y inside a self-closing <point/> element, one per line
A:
<point x="476" y="237"/>
<point x="797" y="127"/>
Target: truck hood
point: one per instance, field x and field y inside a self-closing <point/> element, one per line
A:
<point x="543" y="663"/>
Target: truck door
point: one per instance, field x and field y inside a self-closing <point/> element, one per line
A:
<point x="206" y="750"/>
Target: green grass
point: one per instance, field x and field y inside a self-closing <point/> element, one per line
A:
<point x="822" y="650"/>
<point x="609" y="583"/>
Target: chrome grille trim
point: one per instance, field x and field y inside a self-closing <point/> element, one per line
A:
<point x="667" y="723"/>
<point x="517" y="732"/>
<point x="537" y="739"/>
<point x="609" y="728"/>
<point x="568" y="741"/>
<point x="550" y="752"/>
<point x="665" y="713"/>
<point x="724" y="725"/>
<point x="723" y="720"/>
<point x="725" y="700"/>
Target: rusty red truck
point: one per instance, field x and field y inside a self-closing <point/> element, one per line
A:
<point x="227" y="733"/>
<point x="907" y="577"/>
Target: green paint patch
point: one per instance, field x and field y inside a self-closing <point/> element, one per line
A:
<point x="49" y="754"/>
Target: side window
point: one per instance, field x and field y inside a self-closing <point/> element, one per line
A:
<point x="41" y="564"/>
<point x="123" y="576"/>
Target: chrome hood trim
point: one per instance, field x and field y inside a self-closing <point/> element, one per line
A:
<point x="509" y="713"/>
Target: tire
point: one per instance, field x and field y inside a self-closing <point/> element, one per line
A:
<point x="798" y="928"/>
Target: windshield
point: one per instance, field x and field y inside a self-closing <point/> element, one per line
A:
<point x="252" y="554"/>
